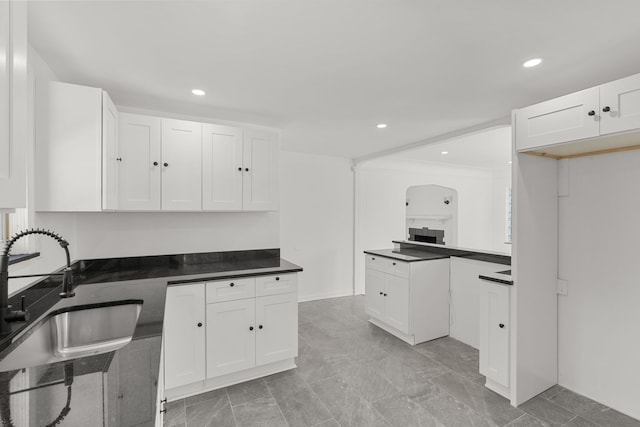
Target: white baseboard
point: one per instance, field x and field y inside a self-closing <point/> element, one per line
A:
<point x="313" y="297"/>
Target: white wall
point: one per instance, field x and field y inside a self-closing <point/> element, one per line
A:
<point x="381" y="187"/>
<point x="316" y="222"/>
<point x="598" y="321"/>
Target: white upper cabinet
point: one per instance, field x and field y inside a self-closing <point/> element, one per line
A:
<point x="620" y="105"/>
<point x="72" y="171"/>
<point x="600" y="119"/>
<point x="222" y="168"/>
<point x="139" y="162"/>
<point x="181" y="165"/>
<point x="260" y="180"/>
<point x="13" y="104"/>
<point x="562" y="119"/>
<point x="109" y="153"/>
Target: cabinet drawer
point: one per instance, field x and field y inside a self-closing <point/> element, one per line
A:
<point x="388" y="265"/>
<point x="274" y="285"/>
<point x="232" y="289"/>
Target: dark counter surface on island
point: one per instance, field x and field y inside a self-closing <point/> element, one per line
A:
<point x="119" y="387"/>
<point x="474" y="254"/>
<point x="406" y="255"/>
<point x="501" y="277"/>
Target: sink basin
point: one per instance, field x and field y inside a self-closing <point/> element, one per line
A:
<point x="73" y="332"/>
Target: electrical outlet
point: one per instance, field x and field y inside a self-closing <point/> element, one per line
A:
<point x="563" y="287"/>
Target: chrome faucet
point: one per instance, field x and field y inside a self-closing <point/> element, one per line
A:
<point x="6" y="314"/>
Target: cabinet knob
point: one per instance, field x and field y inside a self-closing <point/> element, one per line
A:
<point x="119" y="159"/>
<point x="164" y="401"/>
<point x="163" y="411"/>
<point x="501" y="325"/>
<point x="246" y="169"/>
<point x="373" y="259"/>
<point x="251" y="328"/>
<point x="591" y="113"/>
<point x="385" y="295"/>
<point x="166" y="164"/>
<point x="606" y="109"/>
<point x="381" y="293"/>
<point x="394" y="263"/>
<point x="259" y="326"/>
<point x="232" y="284"/>
<point x="239" y="169"/>
<point x="155" y="163"/>
<point x="277" y="278"/>
<point x="199" y="324"/>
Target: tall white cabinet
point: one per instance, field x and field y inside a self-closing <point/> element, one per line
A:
<point x="224" y="332"/>
<point x="13" y="104"/>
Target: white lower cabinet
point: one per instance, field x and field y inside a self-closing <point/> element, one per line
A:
<point x="251" y="331"/>
<point x="408" y="299"/>
<point x="494" y="336"/>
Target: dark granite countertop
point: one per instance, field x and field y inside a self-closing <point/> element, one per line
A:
<point x="502" y="277"/>
<point x="486" y="256"/>
<point x="406" y="255"/>
<point x="119" y="387"/>
<point x="14" y="259"/>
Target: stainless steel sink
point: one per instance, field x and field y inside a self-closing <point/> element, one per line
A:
<point x="73" y="332"/>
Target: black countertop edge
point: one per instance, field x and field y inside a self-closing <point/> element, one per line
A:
<point x="406" y="255"/>
<point x="245" y="273"/>
<point x="14" y="259"/>
<point x="495" y="258"/>
<point x="502" y="277"/>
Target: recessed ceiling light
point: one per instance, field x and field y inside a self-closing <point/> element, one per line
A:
<point x="444" y="152"/>
<point x="198" y="92"/>
<point x="532" y="63"/>
<point x="381" y="125"/>
<point x="509" y="162"/>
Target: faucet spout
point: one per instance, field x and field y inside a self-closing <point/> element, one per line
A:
<point x="6" y="314"/>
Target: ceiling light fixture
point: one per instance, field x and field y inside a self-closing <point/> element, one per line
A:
<point x="381" y="125"/>
<point x="198" y="92"/>
<point x="509" y="162"/>
<point x="444" y="152"/>
<point x="532" y="63"/>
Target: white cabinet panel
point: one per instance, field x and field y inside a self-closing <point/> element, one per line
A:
<point x="109" y="153"/>
<point x="222" y="168"/>
<point x="231" y="337"/>
<point x="273" y="285"/>
<point x="181" y="165"/>
<point x="374" y="293"/>
<point x="396" y="302"/>
<point x="571" y="117"/>
<point x="229" y="290"/>
<point x="620" y="105"/>
<point x="139" y="169"/>
<point x="494" y="333"/>
<point x="13" y="104"/>
<point x="260" y="179"/>
<point x="277" y="332"/>
<point x="184" y="335"/>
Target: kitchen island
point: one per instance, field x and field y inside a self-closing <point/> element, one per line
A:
<point x="118" y="387"/>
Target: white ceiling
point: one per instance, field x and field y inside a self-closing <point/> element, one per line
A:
<point x="327" y="71"/>
<point x="485" y="150"/>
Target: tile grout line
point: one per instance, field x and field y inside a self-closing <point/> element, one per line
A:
<point x="319" y="400"/>
<point x="276" y="400"/>
<point x="233" y="414"/>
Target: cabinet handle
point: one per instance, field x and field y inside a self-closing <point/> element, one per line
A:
<point x="385" y="295"/>
<point x="394" y="263"/>
<point x="251" y="328"/>
<point x="119" y="159"/>
<point x="606" y="109"/>
<point x="155" y="163"/>
<point x="232" y="284"/>
<point x="591" y="113"/>
<point x="501" y="325"/>
<point x="163" y="411"/>
<point x="166" y="164"/>
<point x="199" y="324"/>
<point x="239" y="169"/>
<point x="373" y="259"/>
<point x="164" y="401"/>
<point x="381" y="293"/>
<point x="277" y="278"/>
<point x="246" y="169"/>
<point x="259" y="326"/>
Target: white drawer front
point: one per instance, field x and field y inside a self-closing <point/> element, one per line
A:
<point x="278" y="284"/>
<point x="232" y="289"/>
<point x="387" y="265"/>
<point x="375" y="262"/>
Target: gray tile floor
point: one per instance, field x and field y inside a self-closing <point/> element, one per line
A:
<point x="350" y="373"/>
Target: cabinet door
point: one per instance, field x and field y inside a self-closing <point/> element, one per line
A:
<point x="184" y="336"/>
<point x="558" y="120"/>
<point x="374" y="293"/>
<point x="139" y="169"/>
<point x="277" y="332"/>
<point x="620" y="105"/>
<point x="260" y="179"/>
<point x="109" y="153"/>
<point x="396" y="302"/>
<point x="181" y="165"/>
<point x="222" y="168"/>
<point x="137" y="388"/>
<point x="494" y="333"/>
<point x="231" y="343"/>
<point x="13" y="104"/>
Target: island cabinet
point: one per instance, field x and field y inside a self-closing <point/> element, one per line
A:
<point x="408" y="299"/>
<point x="607" y="110"/>
<point x="494" y="336"/>
<point x="224" y="332"/>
